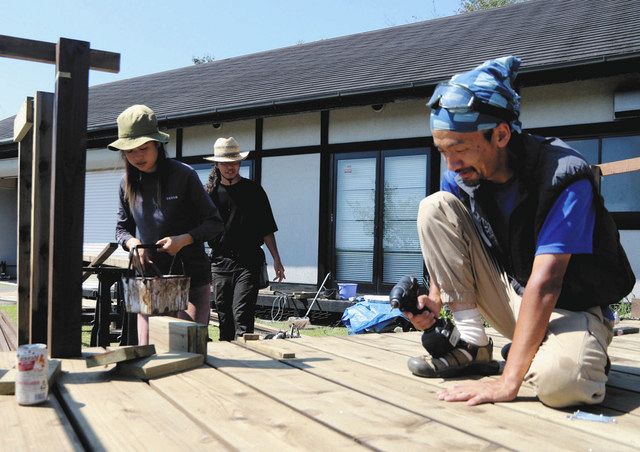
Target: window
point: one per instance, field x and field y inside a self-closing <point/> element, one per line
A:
<point x="375" y="209"/>
<point x="621" y="192"/>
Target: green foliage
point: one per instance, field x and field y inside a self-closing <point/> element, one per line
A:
<point x="478" y="5"/>
<point x="206" y="58"/>
<point x="11" y="310"/>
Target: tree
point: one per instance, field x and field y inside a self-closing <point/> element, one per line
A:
<point x="206" y="58"/>
<point x="477" y="5"/>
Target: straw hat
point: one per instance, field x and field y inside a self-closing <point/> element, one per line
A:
<point x="227" y="150"/>
<point x="137" y="125"/>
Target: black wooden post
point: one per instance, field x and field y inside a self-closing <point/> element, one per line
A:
<point x="68" y="164"/>
<point x="40" y="215"/>
<point x="67" y="198"/>
<point x="23" y="134"/>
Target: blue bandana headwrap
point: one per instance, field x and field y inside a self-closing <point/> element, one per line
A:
<point x="491" y="83"/>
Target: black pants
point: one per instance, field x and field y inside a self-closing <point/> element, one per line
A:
<point x="235" y="293"/>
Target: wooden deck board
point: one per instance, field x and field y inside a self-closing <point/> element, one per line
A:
<point x="350" y="393"/>
<point x="626" y="429"/>
<point x="36" y="428"/>
<point x="351" y="412"/>
<point x="244" y="414"/>
<point x="117" y="413"/>
<point x="419" y="395"/>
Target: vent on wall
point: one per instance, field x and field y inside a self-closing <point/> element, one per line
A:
<point x="626" y="103"/>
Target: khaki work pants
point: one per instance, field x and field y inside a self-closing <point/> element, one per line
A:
<point x="568" y="368"/>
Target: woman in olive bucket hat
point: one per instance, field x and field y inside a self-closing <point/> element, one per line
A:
<point x="163" y="202"/>
<point x="237" y="258"/>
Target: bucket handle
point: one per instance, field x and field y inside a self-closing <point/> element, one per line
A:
<point x="154" y="267"/>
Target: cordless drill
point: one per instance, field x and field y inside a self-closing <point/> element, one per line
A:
<point x="438" y="340"/>
<point x="404" y="296"/>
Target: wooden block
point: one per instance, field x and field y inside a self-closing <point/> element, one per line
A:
<point x="120" y="354"/>
<point x="251" y="336"/>
<point x="8" y="377"/>
<point x="271" y="350"/>
<point x="23" y="121"/>
<point x="174" y="335"/>
<point x="160" y="365"/>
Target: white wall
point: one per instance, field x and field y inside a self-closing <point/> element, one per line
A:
<point x="8" y="226"/>
<point x="198" y="140"/>
<point x="631" y="242"/>
<point x="293" y="186"/>
<point x="291" y="131"/>
<point x="403" y="119"/>
<point x="579" y="102"/>
<point x="98" y="159"/>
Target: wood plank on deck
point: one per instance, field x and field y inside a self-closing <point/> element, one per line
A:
<point x="35" y="427"/>
<point x="390" y="352"/>
<point x="368" y="420"/>
<point x="251" y="419"/>
<point x="118" y="413"/>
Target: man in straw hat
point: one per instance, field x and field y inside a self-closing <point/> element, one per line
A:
<point x="163" y="203"/>
<point x="518" y="235"/>
<point x="237" y="259"/>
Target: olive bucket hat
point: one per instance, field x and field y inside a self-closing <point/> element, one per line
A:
<point x="227" y="150"/>
<point x="137" y="125"/>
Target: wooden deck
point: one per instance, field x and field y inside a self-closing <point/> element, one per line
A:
<point x="338" y="393"/>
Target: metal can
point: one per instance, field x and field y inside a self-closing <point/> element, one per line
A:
<point x="32" y="384"/>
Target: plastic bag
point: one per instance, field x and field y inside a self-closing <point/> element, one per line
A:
<point x="366" y="316"/>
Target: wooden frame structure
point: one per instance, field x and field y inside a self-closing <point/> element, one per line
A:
<point x="52" y="144"/>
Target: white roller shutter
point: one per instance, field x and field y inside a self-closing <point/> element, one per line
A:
<point x="101" y="205"/>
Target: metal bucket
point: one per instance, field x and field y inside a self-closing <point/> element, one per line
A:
<point x="153" y="295"/>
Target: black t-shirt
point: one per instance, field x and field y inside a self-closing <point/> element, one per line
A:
<point x="248" y="218"/>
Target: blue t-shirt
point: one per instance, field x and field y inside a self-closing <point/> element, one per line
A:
<point x="568" y="228"/>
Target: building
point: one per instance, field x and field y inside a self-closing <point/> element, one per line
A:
<point x="340" y="135"/>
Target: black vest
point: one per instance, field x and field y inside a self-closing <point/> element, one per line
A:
<point x="545" y="167"/>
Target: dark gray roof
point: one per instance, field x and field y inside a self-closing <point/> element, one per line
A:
<point x="546" y="34"/>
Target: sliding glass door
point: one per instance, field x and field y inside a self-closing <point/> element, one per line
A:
<point x="375" y="208"/>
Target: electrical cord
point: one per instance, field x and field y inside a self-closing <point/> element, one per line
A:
<point x="278" y="306"/>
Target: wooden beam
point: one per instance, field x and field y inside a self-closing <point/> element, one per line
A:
<point x="159" y="365"/>
<point x="10" y="184"/>
<point x="120" y="354"/>
<point x="23" y="121"/>
<point x="40" y="216"/>
<point x="619" y="167"/>
<point x="67" y="198"/>
<point x="45" y="52"/>
<point x="100" y="258"/>
<point x="25" y="178"/>
<point x="8" y="377"/>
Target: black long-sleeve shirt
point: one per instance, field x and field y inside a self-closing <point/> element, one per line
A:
<point x="185" y="207"/>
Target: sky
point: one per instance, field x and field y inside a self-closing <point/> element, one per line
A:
<point x="153" y="36"/>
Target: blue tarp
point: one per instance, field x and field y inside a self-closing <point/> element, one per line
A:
<point x="366" y="316"/>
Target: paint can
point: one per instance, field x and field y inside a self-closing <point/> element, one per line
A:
<point x="32" y="385"/>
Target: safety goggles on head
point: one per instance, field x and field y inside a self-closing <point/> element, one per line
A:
<point x="460" y="99"/>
